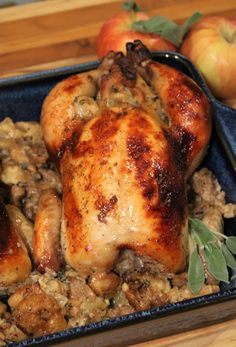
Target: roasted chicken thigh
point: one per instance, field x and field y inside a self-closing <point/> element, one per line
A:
<point x="126" y="137"/>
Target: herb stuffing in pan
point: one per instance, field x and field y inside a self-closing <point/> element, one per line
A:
<point x="115" y="218"/>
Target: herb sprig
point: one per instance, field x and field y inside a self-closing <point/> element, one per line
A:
<point x="166" y="28"/>
<point x="161" y="25"/>
<point x="212" y="249"/>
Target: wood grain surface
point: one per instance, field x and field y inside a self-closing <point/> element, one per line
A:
<point x="55" y="33"/>
<point x="218" y="335"/>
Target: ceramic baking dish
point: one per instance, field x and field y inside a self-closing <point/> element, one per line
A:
<point x="21" y="99"/>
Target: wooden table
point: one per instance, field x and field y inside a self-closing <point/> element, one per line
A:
<point x="56" y="33"/>
<point x="53" y="33"/>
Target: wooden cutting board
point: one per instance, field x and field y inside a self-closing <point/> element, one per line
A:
<point x="217" y="335"/>
<point x="55" y="33"/>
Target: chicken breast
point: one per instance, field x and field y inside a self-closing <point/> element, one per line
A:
<point x="124" y="167"/>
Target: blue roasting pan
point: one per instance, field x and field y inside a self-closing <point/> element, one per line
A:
<point x="21" y="98"/>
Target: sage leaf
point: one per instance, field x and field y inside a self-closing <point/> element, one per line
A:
<point x="196" y="274"/>
<point x="216" y="263"/>
<point x="204" y="234"/>
<point x="188" y="23"/>
<point x="166" y="28"/>
<point x="158" y="25"/>
<point x="153" y="25"/>
<point x="131" y="6"/>
<point x="229" y="258"/>
<point x="231" y="244"/>
<point x="171" y="32"/>
<point x="233" y="277"/>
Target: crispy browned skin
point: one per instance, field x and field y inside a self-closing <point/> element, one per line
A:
<point x="61" y="101"/>
<point x="15" y="264"/>
<point x="124" y="171"/>
<point x="46" y="247"/>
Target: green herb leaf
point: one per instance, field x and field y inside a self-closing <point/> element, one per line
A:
<point x="166" y="28"/>
<point x="233" y="277"/>
<point x="153" y="25"/>
<point x="229" y="258"/>
<point x="131" y="6"/>
<point x="188" y="23"/>
<point x="216" y="263"/>
<point x="204" y="234"/>
<point x="196" y="275"/>
<point x="231" y="244"/>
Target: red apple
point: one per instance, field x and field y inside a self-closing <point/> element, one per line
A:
<point x="117" y="31"/>
<point x="211" y="46"/>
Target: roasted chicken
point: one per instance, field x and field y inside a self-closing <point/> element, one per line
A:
<point x="125" y="137"/>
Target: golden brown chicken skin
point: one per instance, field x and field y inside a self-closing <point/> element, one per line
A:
<point x="46" y="248"/>
<point x="15" y="264"/>
<point x="124" y="167"/>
